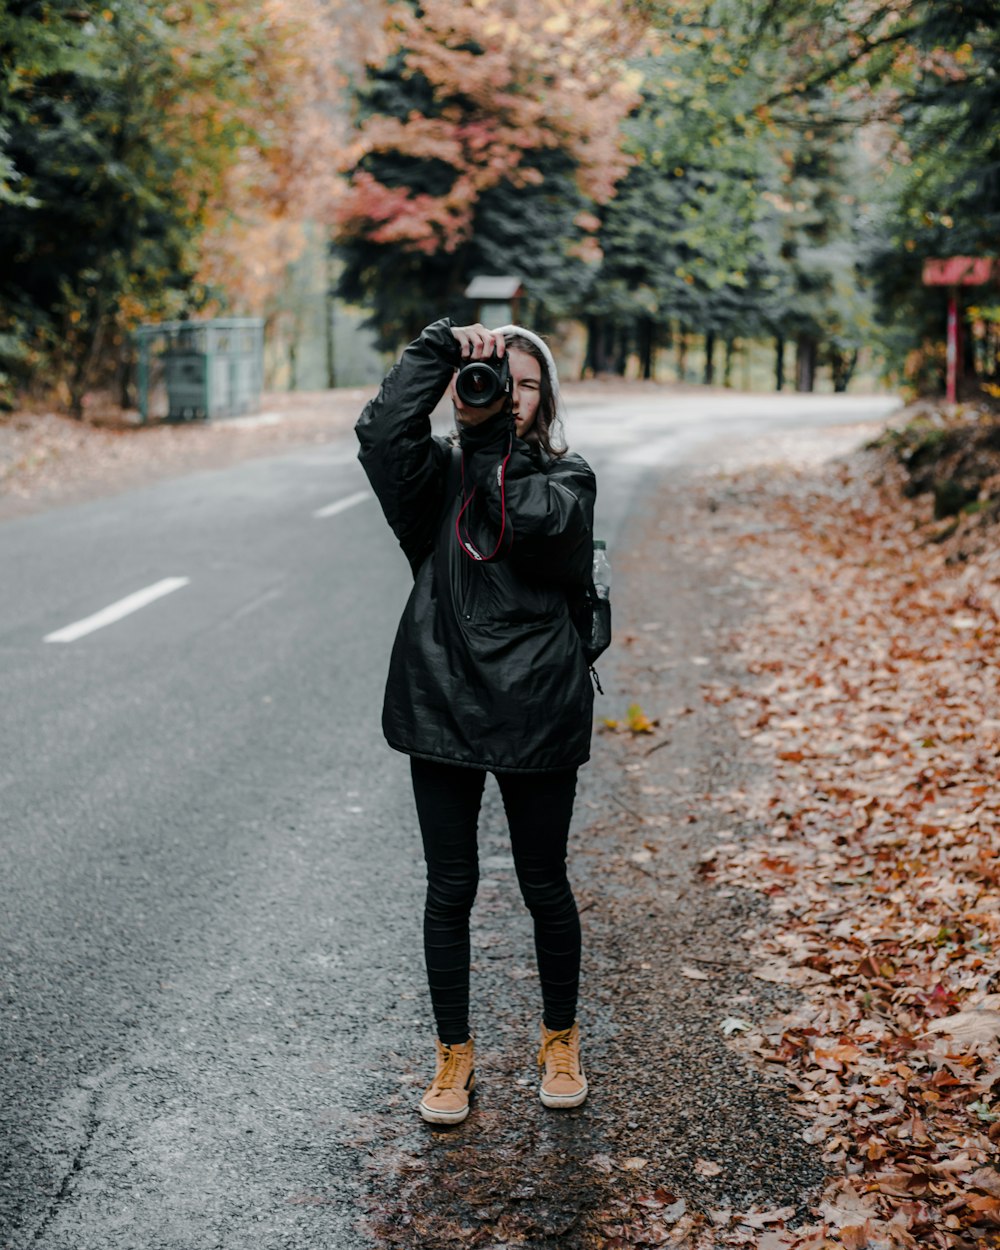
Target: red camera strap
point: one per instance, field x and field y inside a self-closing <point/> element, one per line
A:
<point x="462" y="529"/>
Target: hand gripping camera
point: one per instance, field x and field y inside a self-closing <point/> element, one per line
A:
<point x="482" y="382"/>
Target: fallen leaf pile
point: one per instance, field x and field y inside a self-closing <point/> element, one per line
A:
<point x="876" y="701"/>
<point x="47" y="459"/>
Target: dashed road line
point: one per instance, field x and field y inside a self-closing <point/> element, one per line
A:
<point x="115" y="611"/>
<point x="341" y="505"/>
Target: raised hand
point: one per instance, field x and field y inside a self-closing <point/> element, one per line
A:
<point x="478" y="343"/>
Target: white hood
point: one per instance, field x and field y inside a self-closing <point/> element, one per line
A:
<point x="543" y="347"/>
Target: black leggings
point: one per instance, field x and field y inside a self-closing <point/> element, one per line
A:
<point x="539" y="807"/>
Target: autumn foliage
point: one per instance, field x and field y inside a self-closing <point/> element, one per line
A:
<point x="502" y="83"/>
<point x="280" y="171"/>
<point x="875" y="702"/>
<point x="659" y="168"/>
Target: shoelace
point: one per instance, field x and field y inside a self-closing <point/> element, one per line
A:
<point x="559" y="1048"/>
<point x="448" y="1076"/>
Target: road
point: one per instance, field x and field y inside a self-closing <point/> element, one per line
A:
<point x="210" y="883"/>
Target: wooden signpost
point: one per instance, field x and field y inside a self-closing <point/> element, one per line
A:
<point x="954" y="272"/>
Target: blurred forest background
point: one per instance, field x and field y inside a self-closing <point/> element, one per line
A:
<point x="741" y="192"/>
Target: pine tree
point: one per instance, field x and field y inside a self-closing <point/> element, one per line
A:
<point x="681" y="241"/>
<point x="484" y="142"/>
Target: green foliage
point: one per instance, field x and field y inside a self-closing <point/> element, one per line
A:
<point x="918" y="81"/>
<point x="730" y="222"/>
<point x="95" y="213"/>
<point x="120" y="125"/>
<point x="946" y="193"/>
<point x="789" y="167"/>
<point x="534" y="231"/>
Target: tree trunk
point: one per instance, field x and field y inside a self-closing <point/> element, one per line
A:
<point x="709" y="376"/>
<point x="621" y="349"/>
<point x="779" y="362"/>
<point x="604" y="347"/>
<point x="126" y="370"/>
<point x="805" y="362"/>
<point x="608" y="346"/>
<point x="727" y="367"/>
<point x="83" y="368"/>
<point x="589" y="368"/>
<point x="647" y="333"/>
<point x="331" y="319"/>
<point x="843" y="365"/>
<point x="967" y="346"/>
<point x="682" y="352"/>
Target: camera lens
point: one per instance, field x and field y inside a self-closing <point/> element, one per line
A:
<point x="478" y="381"/>
<point x="478" y="385"/>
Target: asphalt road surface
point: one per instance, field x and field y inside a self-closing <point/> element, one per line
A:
<point x="210" y="881"/>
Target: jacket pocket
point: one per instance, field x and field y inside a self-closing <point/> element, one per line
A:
<point x="498" y="596"/>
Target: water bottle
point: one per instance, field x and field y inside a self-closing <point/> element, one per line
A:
<point x="602" y="569"/>
<point x="596" y="631"/>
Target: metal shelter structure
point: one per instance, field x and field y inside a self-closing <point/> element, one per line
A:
<point x="498" y="298"/>
<point x="208" y="368"/>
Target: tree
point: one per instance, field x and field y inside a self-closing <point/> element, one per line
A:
<point x="682" y="241"/>
<point x="918" y="77"/>
<point x="484" y="139"/>
<point x="130" y="136"/>
<point x="946" y="191"/>
<point x="732" y="221"/>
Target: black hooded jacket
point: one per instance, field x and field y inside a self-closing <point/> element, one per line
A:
<point x="487" y="669"/>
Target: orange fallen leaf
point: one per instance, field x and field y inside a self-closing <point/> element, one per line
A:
<point x="638" y="721"/>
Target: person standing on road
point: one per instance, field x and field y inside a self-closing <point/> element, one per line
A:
<point x="487" y="672"/>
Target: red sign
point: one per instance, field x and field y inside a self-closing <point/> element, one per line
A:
<point x="960" y="271"/>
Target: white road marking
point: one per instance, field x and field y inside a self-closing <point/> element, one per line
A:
<point x="115" y="612"/>
<point x="342" y="505"/>
<point x="254" y="604"/>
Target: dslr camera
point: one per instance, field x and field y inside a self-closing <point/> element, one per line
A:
<point x="482" y="382"/>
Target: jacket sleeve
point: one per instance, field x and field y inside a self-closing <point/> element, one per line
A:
<point x="404" y="463"/>
<point x="550" y="511"/>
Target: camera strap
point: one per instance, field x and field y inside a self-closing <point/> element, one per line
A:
<point x="506" y="532"/>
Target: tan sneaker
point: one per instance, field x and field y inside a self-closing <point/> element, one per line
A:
<point x="563" y="1082"/>
<point x="446" y="1099"/>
